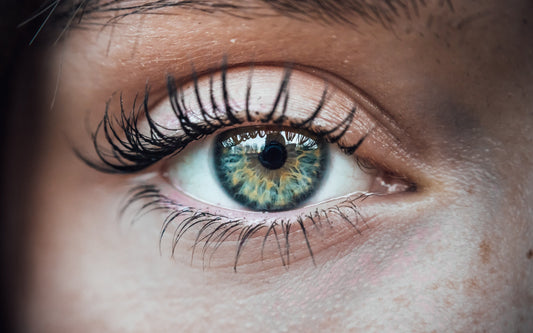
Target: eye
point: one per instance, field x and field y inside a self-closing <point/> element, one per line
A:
<point x="267" y="169"/>
<point x="251" y="164"/>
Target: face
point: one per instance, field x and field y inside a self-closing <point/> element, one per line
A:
<point x="266" y="170"/>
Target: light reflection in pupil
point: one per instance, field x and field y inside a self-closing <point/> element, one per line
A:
<point x="269" y="169"/>
<point x="273" y="155"/>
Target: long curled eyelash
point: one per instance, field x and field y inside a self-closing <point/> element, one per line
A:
<point x="130" y="150"/>
<point x="212" y="230"/>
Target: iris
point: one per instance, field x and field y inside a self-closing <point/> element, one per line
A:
<point x="270" y="168"/>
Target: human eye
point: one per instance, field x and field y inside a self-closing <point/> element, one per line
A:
<point x="254" y="166"/>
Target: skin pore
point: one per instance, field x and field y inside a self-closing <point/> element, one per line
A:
<point x="451" y="82"/>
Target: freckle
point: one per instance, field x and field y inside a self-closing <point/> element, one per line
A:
<point x="447" y="302"/>
<point x="451" y="285"/>
<point x="400" y="300"/>
<point x="529" y="254"/>
<point x="484" y="251"/>
<point x="471" y="285"/>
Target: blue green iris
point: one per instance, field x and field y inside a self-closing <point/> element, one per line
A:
<point x="268" y="168"/>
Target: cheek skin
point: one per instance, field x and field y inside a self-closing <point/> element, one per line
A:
<point x="98" y="270"/>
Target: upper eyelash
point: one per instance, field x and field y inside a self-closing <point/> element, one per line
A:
<point x="150" y="199"/>
<point x="129" y="150"/>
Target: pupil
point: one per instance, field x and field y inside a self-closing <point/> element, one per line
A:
<point x="273" y="155"/>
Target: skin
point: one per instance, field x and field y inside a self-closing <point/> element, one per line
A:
<point x="454" y="256"/>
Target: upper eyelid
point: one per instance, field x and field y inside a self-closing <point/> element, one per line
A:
<point x="129" y="122"/>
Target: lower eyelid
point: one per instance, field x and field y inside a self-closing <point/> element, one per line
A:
<point x="247" y="241"/>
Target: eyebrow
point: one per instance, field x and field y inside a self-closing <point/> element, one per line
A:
<point x="67" y="14"/>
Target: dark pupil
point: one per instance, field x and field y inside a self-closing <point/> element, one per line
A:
<point x="273" y="156"/>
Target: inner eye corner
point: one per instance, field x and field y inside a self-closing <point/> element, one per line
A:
<point x="388" y="180"/>
<point x="395" y="182"/>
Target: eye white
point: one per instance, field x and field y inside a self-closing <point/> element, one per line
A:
<point x="192" y="172"/>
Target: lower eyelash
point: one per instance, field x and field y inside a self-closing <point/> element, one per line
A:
<point x="213" y="230"/>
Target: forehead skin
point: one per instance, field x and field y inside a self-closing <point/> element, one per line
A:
<point x="458" y="84"/>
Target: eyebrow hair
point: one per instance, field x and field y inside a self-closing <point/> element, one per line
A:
<point x="71" y="13"/>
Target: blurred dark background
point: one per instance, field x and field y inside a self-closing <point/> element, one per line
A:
<point x="21" y="114"/>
